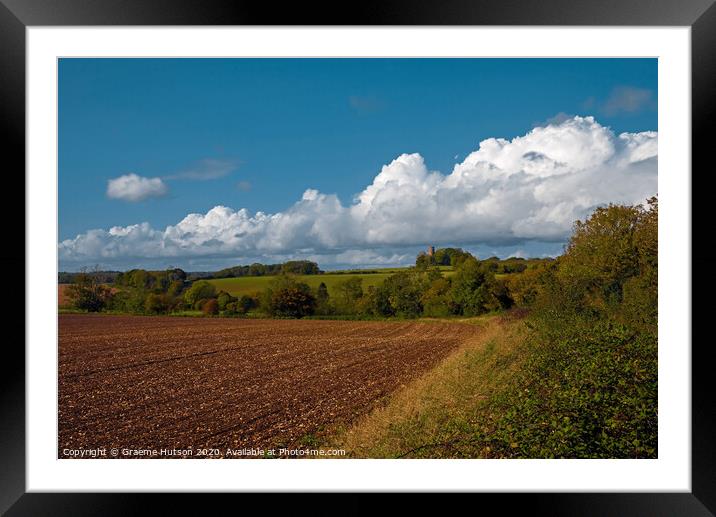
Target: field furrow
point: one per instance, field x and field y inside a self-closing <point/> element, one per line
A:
<point x="168" y="382"/>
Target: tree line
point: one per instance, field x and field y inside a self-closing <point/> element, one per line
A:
<point x="296" y="267"/>
<point x="588" y="384"/>
<point x="412" y="293"/>
<point x="472" y="290"/>
<point x="292" y="267"/>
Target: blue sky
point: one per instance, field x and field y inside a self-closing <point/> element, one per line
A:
<point x="257" y="133"/>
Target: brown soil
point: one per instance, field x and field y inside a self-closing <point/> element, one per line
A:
<point x="218" y="383"/>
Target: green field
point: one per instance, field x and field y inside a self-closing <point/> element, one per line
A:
<point x="253" y="284"/>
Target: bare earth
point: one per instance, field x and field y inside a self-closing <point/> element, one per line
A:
<point x="169" y="382"/>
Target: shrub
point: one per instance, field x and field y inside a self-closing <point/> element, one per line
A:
<point x="501" y="294"/>
<point x="210" y="307"/>
<point x="88" y="294"/>
<point x="587" y="390"/>
<point x="472" y="289"/>
<point x="157" y="303"/>
<point x="300" y="267"/>
<point x="128" y="300"/>
<point x="424" y="261"/>
<point x="367" y="305"/>
<point x="399" y="295"/>
<point x="175" y="287"/>
<point x="223" y="298"/>
<point x="348" y="292"/>
<point x="199" y="290"/>
<point x="527" y="286"/>
<point x="246" y="303"/>
<point x="287" y="298"/>
<point x="323" y="302"/>
<point x="589" y="387"/>
<point x="436" y="299"/>
<point x="609" y="268"/>
<point x="293" y="302"/>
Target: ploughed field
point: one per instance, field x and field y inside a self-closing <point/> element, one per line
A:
<point x="218" y="383"/>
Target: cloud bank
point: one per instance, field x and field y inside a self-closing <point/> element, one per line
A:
<point x="133" y="188"/>
<point x="504" y="194"/>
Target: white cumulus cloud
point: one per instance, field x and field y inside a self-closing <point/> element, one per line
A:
<point x="131" y="187"/>
<point x="505" y="193"/>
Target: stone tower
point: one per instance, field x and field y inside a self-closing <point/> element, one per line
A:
<point x="431" y="251"/>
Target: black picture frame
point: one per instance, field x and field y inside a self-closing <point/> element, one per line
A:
<point x="16" y="15"/>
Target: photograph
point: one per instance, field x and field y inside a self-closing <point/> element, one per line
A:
<point x="357" y="258"/>
<point x="395" y="248"/>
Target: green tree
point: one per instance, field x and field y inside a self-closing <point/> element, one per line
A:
<point x="322" y="293"/>
<point x="323" y="301"/>
<point x="257" y="269"/>
<point x="199" y="290"/>
<point x="286" y="297"/>
<point x="471" y="290"/>
<point x="526" y="287"/>
<point x="367" y="305"/>
<point x="600" y="257"/>
<point x="501" y="294"/>
<point x="139" y="278"/>
<point x="224" y="298"/>
<point x="348" y="292"/>
<point x="609" y="269"/>
<point x="641" y="293"/>
<point x="246" y="303"/>
<point x="451" y="256"/>
<point x="157" y="303"/>
<point x="442" y="256"/>
<point x="87" y="293"/>
<point x="594" y="348"/>
<point x="424" y="261"/>
<point x="399" y="295"/>
<point x="129" y="299"/>
<point x="300" y="267"/>
<point x="176" y="274"/>
<point x="436" y="300"/>
<point x="175" y="288"/>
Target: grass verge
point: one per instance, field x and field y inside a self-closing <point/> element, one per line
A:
<point x="435" y="416"/>
<point x="570" y="389"/>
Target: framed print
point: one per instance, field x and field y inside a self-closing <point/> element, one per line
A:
<point x="397" y="253"/>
